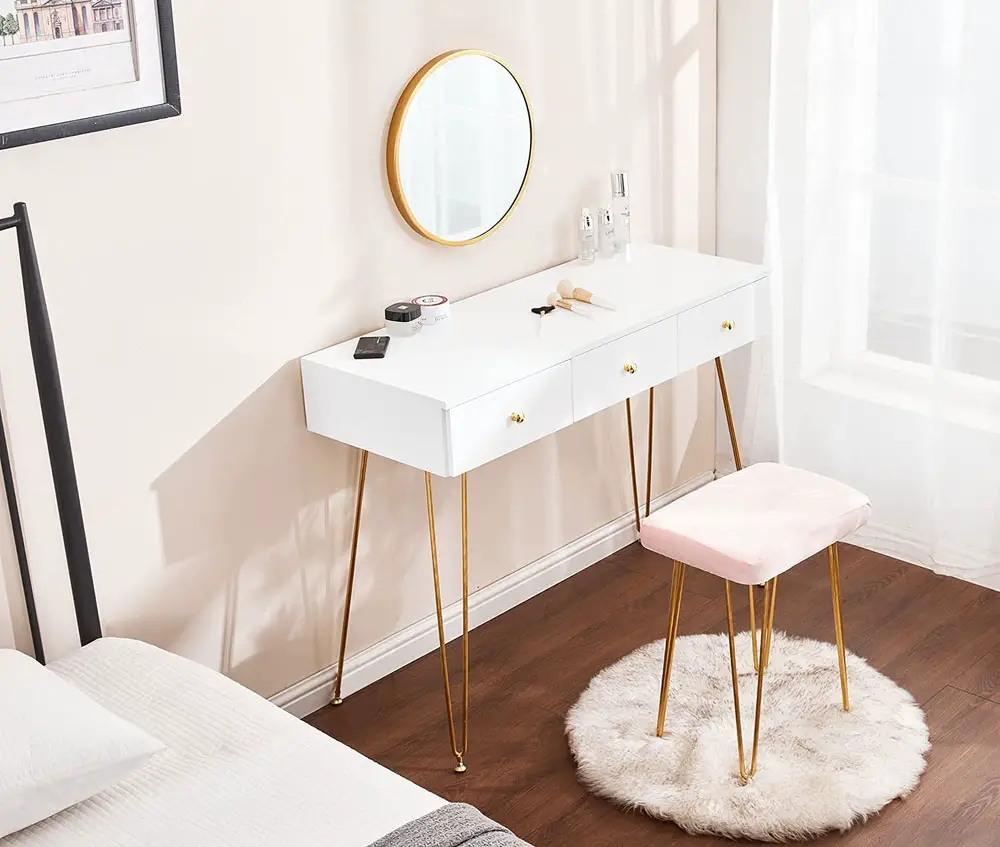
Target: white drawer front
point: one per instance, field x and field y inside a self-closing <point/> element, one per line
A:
<point x="624" y="367"/>
<point x="715" y="327"/>
<point x="504" y="420"/>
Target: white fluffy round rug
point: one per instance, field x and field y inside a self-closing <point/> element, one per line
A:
<point x="819" y="768"/>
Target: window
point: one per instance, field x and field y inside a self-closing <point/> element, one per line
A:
<point x="76" y="21"/>
<point x="38" y="29"/>
<point x="27" y="29"/>
<point x="86" y="23"/>
<point x="933" y="289"/>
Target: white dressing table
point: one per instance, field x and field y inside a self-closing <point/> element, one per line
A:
<point x="495" y="377"/>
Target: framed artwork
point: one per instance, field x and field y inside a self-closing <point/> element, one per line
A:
<point x="73" y="66"/>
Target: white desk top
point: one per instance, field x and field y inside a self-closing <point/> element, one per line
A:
<point x="492" y="339"/>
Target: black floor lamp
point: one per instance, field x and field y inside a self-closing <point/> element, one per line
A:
<point x="60" y="451"/>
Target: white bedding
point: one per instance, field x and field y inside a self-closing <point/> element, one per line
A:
<point x="237" y="771"/>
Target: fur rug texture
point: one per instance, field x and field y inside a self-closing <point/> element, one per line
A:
<point x="819" y="768"/>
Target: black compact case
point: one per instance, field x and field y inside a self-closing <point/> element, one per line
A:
<point x="371" y="347"/>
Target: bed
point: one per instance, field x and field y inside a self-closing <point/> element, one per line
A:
<point x="236" y="770"/>
<point x="242" y="771"/>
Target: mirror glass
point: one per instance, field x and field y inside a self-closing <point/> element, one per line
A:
<point x="459" y="147"/>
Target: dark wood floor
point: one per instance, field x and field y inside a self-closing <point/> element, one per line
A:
<point x="938" y="637"/>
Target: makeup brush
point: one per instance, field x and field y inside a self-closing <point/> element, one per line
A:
<point x="556" y="300"/>
<point x="567" y="290"/>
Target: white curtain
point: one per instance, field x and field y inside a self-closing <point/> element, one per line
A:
<point x="884" y="244"/>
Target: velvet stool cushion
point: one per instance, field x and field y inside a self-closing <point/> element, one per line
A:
<point x="757" y="523"/>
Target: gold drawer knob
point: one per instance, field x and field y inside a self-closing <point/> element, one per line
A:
<point x="517" y="417"/>
<point x="630" y="368"/>
<point x="728" y="325"/>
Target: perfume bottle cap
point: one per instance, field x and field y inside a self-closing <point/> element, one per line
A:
<point x="619" y="184"/>
<point x="586" y="221"/>
<point x="402" y="312"/>
<point x="604" y="216"/>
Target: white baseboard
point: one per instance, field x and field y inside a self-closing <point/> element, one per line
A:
<point x="421" y="638"/>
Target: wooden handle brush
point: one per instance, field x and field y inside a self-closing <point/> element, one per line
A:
<point x="567" y="290"/>
<point x="568" y="305"/>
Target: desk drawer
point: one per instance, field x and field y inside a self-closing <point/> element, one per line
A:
<point x="504" y="420"/>
<point x="624" y="367"/>
<point x="715" y="327"/>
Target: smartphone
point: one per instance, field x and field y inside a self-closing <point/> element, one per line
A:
<point x="371" y="347"/>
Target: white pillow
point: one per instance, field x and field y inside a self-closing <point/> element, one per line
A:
<point x="57" y="746"/>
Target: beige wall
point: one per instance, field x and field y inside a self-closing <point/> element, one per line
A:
<point x="744" y="75"/>
<point x="744" y="69"/>
<point x="257" y="227"/>
<point x="14" y="630"/>
<point x="8" y="608"/>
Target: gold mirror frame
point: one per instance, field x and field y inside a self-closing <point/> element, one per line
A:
<point x="395" y="132"/>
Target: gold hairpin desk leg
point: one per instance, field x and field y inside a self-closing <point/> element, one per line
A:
<point x="362" y="473"/>
<point x="739" y="466"/>
<point x="729" y="412"/>
<point x="458" y="753"/>
<point x="649" y="453"/>
<point x="631" y="461"/>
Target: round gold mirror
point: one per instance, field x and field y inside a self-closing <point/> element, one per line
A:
<point x="459" y="147"/>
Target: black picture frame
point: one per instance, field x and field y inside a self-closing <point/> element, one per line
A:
<point x="170" y="108"/>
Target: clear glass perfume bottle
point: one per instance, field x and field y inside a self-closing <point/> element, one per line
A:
<point x="620" y="209"/>
<point x="587" y="237"/>
<point x="605" y="232"/>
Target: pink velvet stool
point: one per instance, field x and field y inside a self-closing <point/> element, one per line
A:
<point x="750" y="527"/>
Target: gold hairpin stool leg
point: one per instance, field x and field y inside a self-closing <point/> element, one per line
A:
<point x="838" y="623"/>
<point x="676" y="594"/>
<point x="736" y="681"/>
<point x="767" y="629"/>
<point x="459" y="753"/>
<point x="337" y="700"/>
<point x="766" y="632"/>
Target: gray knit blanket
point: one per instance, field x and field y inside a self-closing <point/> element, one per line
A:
<point x="454" y="825"/>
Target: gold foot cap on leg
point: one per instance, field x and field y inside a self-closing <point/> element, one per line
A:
<point x="460" y="767"/>
<point x="337" y="701"/>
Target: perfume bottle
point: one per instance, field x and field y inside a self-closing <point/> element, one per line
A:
<point x="605" y="232"/>
<point x="587" y="237"/>
<point x="619" y="207"/>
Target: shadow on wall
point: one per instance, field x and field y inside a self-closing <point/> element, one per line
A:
<point x="252" y="517"/>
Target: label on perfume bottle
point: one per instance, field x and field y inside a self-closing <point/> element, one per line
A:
<point x="605" y="232"/>
<point x="623" y="225"/>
